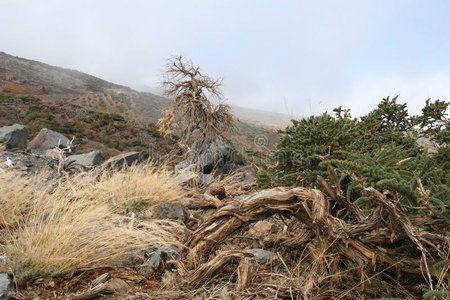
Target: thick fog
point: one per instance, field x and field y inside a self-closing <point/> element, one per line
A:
<point x="294" y="57"/>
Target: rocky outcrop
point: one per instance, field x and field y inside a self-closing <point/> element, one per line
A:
<point x="212" y="154"/>
<point x="26" y="164"/>
<point x="186" y="175"/>
<point x="14" y="137"/>
<point x="171" y="211"/>
<point x="119" y="161"/>
<point x="87" y="160"/>
<point x="159" y="260"/>
<point x="47" y="139"/>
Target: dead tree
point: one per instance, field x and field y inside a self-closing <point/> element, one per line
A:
<point x="192" y="94"/>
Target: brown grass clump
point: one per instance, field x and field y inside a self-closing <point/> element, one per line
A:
<point x="135" y="188"/>
<point x="51" y="234"/>
<point x="16" y="195"/>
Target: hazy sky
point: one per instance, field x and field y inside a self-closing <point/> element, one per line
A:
<point x="295" y="57"/>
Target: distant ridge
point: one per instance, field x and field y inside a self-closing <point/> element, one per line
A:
<point x="56" y="84"/>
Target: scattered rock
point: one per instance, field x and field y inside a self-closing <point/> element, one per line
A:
<point x="119" y="286"/>
<point x="171" y="211"/>
<point x="118" y="161"/>
<point x="262" y="256"/>
<point x="87" y="160"/>
<point x="160" y="260"/>
<point x="7" y="288"/>
<point x="47" y="139"/>
<point x="132" y="259"/>
<point x="26" y="163"/>
<point x="14" y="137"/>
<point x="213" y="154"/>
<point x="185" y="176"/>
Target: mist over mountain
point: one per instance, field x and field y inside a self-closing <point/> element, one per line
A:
<point x="23" y="76"/>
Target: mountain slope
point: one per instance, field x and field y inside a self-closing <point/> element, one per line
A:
<point x="69" y="87"/>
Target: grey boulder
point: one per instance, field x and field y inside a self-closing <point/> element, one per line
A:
<point x="119" y="161"/>
<point x="14" y="136"/>
<point x="161" y="259"/>
<point x="185" y="176"/>
<point x="171" y="211"/>
<point x="88" y="160"/>
<point x="7" y="288"/>
<point x="212" y="154"/>
<point x="47" y="139"/>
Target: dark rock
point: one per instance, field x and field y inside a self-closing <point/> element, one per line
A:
<point x="212" y="154"/>
<point x="88" y="160"/>
<point x="118" y="161"/>
<point x="131" y="259"/>
<point x="27" y="164"/>
<point x="47" y="139"/>
<point x="171" y="211"/>
<point x="14" y="137"/>
<point x="160" y="259"/>
<point x="119" y="286"/>
<point x="7" y="288"/>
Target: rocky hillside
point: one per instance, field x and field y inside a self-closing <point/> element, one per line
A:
<point x="67" y="87"/>
<point x="110" y="133"/>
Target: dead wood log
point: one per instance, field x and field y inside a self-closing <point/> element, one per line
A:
<point x="245" y="269"/>
<point x="245" y="272"/>
<point x="258" y="206"/>
<point x="353" y="240"/>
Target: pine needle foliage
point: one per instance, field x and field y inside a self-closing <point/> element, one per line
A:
<point x="378" y="150"/>
<point x="404" y="159"/>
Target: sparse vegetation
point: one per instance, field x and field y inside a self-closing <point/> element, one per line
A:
<point x="348" y="208"/>
<point x="110" y="131"/>
<point x="54" y="232"/>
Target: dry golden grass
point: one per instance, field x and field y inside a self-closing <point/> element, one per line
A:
<point x="135" y="188"/>
<point x="50" y="234"/>
<point x="16" y="196"/>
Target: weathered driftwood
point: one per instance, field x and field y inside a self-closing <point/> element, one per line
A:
<point x="245" y="269"/>
<point x="360" y="239"/>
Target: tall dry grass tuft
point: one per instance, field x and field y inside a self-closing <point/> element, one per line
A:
<point x="51" y="234"/>
<point x="135" y="188"/>
<point x="16" y="195"/>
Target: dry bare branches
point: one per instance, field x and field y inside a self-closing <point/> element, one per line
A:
<point x="192" y="94"/>
<point x="361" y="240"/>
